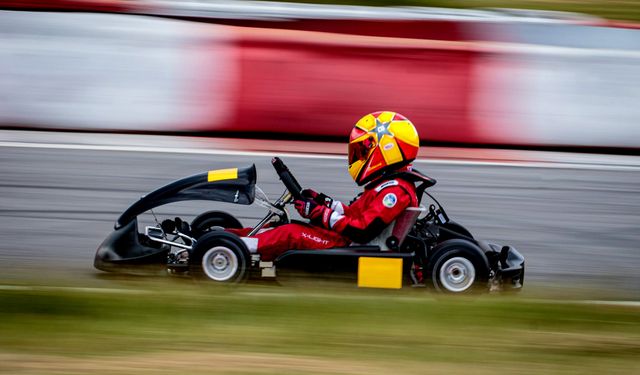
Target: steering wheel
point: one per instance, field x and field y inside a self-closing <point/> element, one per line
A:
<point x="287" y="178"/>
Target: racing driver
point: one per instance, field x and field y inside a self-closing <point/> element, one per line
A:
<point x="380" y="145"/>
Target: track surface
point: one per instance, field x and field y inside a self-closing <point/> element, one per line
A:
<point x="576" y="226"/>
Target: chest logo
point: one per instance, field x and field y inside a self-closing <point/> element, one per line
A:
<point x="389" y="200"/>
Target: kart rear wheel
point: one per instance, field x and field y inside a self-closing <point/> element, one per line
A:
<point x="219" y="257"/>
<point x="205" y="222"/>
<point x="458" y="267"/>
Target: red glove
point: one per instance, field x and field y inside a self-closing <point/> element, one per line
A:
<point x="310" y="209"/>
<point x="318" y="198"/>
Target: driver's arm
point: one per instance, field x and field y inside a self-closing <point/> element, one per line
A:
<point x="368" y="216"/>
<point x="340" y="208"/>
<point x="325" y="200"/>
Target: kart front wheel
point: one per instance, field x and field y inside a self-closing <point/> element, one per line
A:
<point x="458" y="267"/>
<point x="219" y="257"/>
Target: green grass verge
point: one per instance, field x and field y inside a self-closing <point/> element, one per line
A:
<point x="614" y="9"/>
<point x="253" y="329"/>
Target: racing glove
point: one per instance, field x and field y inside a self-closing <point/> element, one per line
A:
<point x="319" y="198"/>
<point x="318" y="214"/>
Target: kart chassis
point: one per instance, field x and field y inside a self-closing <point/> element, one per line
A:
<point x="416" y="239"/>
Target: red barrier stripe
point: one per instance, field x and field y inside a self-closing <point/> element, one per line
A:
<point x="319" y="84"/>
<point x="412" y="29"/>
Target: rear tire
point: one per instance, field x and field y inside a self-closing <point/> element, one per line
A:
<point x="458" y="267"/>
<point x="219" y="257"/>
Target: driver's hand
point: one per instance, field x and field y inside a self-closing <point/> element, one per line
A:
<point x="309" y="209"/>
<point x="305" y="206"/>
<point x="310" y="194"/>
<point x="318" y="198"/>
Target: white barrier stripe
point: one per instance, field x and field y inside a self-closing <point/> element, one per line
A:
<point x="296" y="295"/>
<point x="432" y="161"/>
<point x="532" y="164"/>
<point x="423" y="298"/>
<point x="611" y="303"/>
<point x="167" y="150"/>
<point x="72" y="289"/>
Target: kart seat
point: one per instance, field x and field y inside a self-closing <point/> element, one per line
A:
<point x="395" y="233"/>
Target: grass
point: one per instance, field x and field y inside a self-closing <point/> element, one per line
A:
<point x="628" y="10"/>
<point x="262" y="330"/>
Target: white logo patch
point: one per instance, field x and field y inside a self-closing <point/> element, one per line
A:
<point x="389" y="200"/>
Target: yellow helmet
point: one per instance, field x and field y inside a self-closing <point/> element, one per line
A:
<point x="381" y="142"/>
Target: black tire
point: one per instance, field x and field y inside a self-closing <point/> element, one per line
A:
<point x="203" y="223"/>
<point x="219" y="257"/>
<point x="458" y="267"/>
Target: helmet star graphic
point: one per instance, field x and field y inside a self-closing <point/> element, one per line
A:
<point x="382" y="128"/>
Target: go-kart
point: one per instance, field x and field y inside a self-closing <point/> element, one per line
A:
<point x="423" y="247"/>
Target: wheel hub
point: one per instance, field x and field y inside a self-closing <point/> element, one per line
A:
<point x="220" y="263"/>
<point x="457" y="274"/>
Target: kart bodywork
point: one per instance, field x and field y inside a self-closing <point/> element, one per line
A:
<point x="422" y="247"/>
<point x="127" y="250"/>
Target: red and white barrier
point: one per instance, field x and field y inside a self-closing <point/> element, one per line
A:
<point x="498" y="93"/>
<point x="510" y="87"/>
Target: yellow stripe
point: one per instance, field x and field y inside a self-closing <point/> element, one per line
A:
<point x="367" y="123"/>
<point x="223" y="174"/>
<point x="406" y="132"/>
<point x="391" y="154"/>
<point x="386" y="116"/>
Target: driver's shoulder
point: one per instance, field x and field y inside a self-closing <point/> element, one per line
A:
<point x="396" y="182"/>
<point x="396" y="185"/>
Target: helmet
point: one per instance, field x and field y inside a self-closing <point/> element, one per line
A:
<point x="381" y="142"/>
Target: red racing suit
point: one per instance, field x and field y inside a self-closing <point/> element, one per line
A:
<point x="365" y="218"/>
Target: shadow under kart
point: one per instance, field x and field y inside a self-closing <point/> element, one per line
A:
<point x="423" y="246"/>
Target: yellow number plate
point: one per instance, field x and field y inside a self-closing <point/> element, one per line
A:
<point x="379" y="273"/>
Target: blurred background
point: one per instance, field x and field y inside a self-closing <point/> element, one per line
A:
<point x="507" y="77"/>
<point x="527" y="110"/>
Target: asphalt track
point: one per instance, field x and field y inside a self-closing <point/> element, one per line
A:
<point x="576" y="219"/>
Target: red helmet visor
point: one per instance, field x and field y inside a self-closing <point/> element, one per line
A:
<point x="360" y="150"/>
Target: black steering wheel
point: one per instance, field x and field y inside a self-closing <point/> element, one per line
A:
<point x="287" y="178"/>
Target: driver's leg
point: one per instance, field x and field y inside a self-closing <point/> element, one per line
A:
<point x="276" y="241"/>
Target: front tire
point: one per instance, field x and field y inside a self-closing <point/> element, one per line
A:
<point x="219" y="257"/>
<point x="458" y="267"/>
